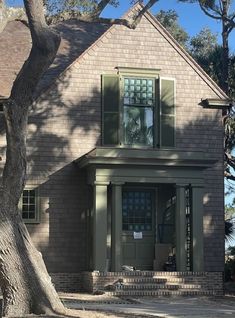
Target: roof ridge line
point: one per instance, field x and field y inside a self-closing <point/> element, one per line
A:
<point x="113" y="26"/>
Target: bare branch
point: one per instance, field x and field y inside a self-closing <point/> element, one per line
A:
<point x="210" y="14"/>
<point x="124" y="22"/>
<point x="100" y="7"/>
<point x="229" y="176"/>
<point x="230" y="160"/>
<point x="142" y="12"/>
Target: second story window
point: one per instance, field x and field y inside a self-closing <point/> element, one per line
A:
<point x="138" y="111"/>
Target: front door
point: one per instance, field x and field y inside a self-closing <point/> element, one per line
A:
<point x="138" y="219"/>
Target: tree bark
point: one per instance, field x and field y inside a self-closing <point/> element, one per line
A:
<point x="25" y="283"/>
<point x="225" y="58"/>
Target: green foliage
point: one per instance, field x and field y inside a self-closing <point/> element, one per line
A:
<point x="230" y="210"/>
<point x="229" y="269"/>
<point x="231" y="250"/>
<point x="208" y="53"/>
<point x="83" y="6"/>
<point x="203" y="43"/>
<point x="232" y="79"/>
<point x="229" y="230"/>
<point x="169" y="19"/>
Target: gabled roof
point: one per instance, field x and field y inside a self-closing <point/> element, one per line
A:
<point x="15" y="45"/>
<point x="78" y="38"/>
<point x="186" y="56"/>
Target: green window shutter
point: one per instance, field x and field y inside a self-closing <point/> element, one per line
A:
<point x="110" y="109"/>
<point x="167" y="112"/>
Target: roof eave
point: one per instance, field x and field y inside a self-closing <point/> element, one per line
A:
<point x="214" y="103"/>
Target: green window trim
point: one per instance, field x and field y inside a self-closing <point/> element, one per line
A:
<point x="29" y="205"/>
<point x="110" y="109"/>
<point x="167" y="112"/>
<point x="153" y="125"/>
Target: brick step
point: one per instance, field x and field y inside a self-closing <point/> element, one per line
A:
<point x="158" y="286"/>
<point x="143" y="280"/>
<point x="160" y="280"/>
<point x="139" y="273"/>
<point x="141" y="293"/>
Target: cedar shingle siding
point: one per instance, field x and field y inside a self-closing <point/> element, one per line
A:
<point x="65" y="124"/>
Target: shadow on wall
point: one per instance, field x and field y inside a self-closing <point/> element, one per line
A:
<point x="63" y="128"/>
<point x="62" y="234"/>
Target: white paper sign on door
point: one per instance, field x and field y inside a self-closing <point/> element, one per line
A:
<point x="138" y="235"/>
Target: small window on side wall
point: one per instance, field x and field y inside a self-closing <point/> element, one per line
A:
<point x="29" y="206"/>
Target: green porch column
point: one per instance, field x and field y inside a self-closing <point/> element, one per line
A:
<point x="180" y="228"/>
<point x="116" y="240"/>
<point x="197" y="228"/>
<point x="100" y="226"/>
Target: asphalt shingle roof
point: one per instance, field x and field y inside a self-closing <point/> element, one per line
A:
<point x="15" y="44"/>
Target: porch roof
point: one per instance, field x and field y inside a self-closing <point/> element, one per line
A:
<point x="145" y="157"/>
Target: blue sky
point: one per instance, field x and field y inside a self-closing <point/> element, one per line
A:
<point x="191" y="17"/>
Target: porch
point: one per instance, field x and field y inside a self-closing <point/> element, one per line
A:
<point x="170" y="186"/>
<point x="151" y="283"/>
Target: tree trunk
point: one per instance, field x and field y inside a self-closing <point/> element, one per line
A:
<point x="25" y="283"/>
<point x="225" y="56"/>
<point x="24" y="280"/>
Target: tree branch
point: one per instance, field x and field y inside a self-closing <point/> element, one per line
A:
<point x="124" y="22"/>
<point x="91" y="17"/>
<point x="139" y="16"/>
<point x="229" y="176"/>
<point x="230" y="160"/>
<point x="208" y="13"/>
<point x="9" y="14"/>
<point x="100" y="7"/>
<point x="45" y="43"/>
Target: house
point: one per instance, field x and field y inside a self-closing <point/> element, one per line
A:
<point x="125" y="156"/>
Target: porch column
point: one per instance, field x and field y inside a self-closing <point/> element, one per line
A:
<point x="116" y="239"/>
<point x="100" y="226"/>
<point x="197" y="228"/>
<point x="180" y="228"/>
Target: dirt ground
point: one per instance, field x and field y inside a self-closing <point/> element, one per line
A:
<point x="70" y="298"/>
<point x="105" y="306"/>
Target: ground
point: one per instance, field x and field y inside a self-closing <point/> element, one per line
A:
<point x="104" y="306"/>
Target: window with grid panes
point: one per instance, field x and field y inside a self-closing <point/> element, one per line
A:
<point x="138" y="111"/>
<point x="137" y="210"/>
<point x="28" y="205"/>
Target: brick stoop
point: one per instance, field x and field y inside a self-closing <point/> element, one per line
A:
<point x="148" y="283"/>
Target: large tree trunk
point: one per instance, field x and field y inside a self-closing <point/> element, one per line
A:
<point x="24" y="280"/>
<point x="25" y="283"/>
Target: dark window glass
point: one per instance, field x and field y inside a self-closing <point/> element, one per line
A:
<point x="29" y="205"/>
<point x="138" y="102"/>
<point x="137" y="210"/>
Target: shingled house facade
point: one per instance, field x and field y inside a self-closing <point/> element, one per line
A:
<point x="125" y="155"/>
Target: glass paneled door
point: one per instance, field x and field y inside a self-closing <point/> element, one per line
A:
<point x="138" y="228"/>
